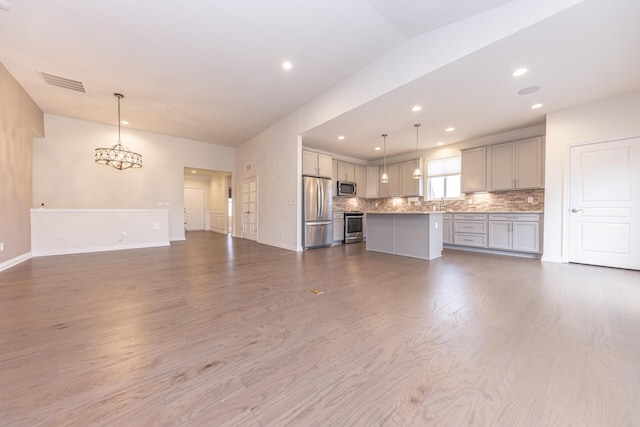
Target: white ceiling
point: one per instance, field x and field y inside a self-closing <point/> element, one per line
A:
<point x="210" y="70"/>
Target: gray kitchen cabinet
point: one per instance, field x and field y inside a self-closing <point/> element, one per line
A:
<point x="470" y="230"/>
<point x="517" y="165"/>
<point x="338" y="227"/>
<point x="447" y="229"/>
<point x="334" y="174"/>
<point x="410" y="186"/>
<point x="515" y="232"/>
<point x="316" y="164"/>
<point x="474" y="169"/>
<point x="373" y="182"/>
<point x="360" y="174"/>
<point x="346" y="172"/>
<point x="394" y="187"/>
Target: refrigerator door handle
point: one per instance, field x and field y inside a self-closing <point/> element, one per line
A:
<point x="317" y="223"/>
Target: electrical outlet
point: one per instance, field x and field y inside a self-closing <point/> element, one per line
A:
<point x="156" y="225"/>
<point x="123" y="234"/>
<point x="1" y="246"/>
<point x="530" y="199"/>
<point x="469" y="201"/>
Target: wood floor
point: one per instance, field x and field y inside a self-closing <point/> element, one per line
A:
<point x="217" y="331"/>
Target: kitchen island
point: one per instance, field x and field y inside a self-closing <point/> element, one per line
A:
<point x="412" y="234"/>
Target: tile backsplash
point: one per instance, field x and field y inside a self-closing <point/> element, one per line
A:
<point x="505" y="201"/>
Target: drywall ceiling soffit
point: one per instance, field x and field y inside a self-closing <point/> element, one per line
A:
<point x="208" y="71"/>
<point x="583" y="54"/>
<point x="414" y="17"/>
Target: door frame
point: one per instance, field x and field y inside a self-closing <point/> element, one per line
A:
<point x="566" y="199"/>
<point x="250" y="178"/>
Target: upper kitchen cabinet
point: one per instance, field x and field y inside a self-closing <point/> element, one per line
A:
<point x="316" y="164"/>
<point x="517" y="165"/>
<point x="334" y="172"/>
<point x="474" y="171"/>
<point x="346" y="172"/>
<point x="410" y="186"/>
<point x="373" y="182"/>
<point x="394" y="187"/>
<point x="360" y="178"/>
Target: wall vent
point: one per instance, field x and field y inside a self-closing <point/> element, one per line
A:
<point x="63" y="82"/>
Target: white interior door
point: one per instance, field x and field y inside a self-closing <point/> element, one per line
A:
<point x="604" y="217"/>
<point x="249" y="209"/>
<point x="193" y="209"/>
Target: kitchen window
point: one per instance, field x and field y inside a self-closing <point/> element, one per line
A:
<point x="443" y="178"/>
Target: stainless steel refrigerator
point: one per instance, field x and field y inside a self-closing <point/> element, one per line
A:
<point x="317" y="213"/>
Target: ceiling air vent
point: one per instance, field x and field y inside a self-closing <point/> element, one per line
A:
<point x="63" y="82"/>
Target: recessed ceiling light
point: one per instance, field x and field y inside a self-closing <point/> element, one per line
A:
<point x="287" y="65"/>
<point x="529" y="90"/>
<point x="536" y="106"/>
<point x="193" y="171"/>
<point x="416" y="108"/>
<point x="440" y="143"/>
<point x="340" y="137"/>
<point x="451" y="129"/>
<point x="124" y="122"/>
<point x="377" y="148"/>
<point x="519" y="72"/>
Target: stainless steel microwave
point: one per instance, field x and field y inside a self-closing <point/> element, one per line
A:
<point x="346" y="188"/>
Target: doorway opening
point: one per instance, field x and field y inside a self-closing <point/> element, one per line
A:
<point x="207" y="200"/>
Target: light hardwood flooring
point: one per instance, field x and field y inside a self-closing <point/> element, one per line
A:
<point x="218" y="331"/>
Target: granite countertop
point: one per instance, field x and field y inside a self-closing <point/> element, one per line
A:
<point x="495" y="212"/>
<point x="404" y="213"/>
<point x="452" y="212"/>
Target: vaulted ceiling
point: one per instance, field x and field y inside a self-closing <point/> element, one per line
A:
<point x="211" y="70"/>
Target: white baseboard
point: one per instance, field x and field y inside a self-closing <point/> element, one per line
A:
<point x="551" y="258"/>
<point x="492" y="251"/>
<point x="279" y="245"/>
<point x="69" y="251"/>
<point x="15" y="261"/>
<point x="177" y="238"/>
<point x="218" y="230"/>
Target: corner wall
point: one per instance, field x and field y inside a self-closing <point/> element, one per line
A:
<point x="20" y="121"/>
<point x="607" y="120"/>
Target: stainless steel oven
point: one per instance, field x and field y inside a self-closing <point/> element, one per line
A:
<point x="353" y="227"/>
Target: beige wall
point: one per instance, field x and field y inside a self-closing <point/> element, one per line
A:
<point x="20" y="121"/>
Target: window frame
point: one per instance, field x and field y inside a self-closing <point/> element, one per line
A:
<point x="444" y="175"/>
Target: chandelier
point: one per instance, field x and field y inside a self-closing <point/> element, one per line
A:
<point x="118" y="156"/>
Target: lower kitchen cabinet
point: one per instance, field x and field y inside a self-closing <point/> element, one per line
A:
<point x="447" y="229"/>
<point x="508" y="232"/>
<point x="470" y="230"/>
<point x="520" y="233"/>
<point x="338" y="227"/>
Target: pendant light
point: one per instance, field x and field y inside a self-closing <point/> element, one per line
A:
<point x="118" y="156"/>
<point x="417" y="173"/>
<point x="384" y="179"/>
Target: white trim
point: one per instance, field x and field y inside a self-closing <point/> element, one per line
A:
<point x="280" y="245"/>
<point x="491" y="251"/>
<point x="15" y="261"/>
<point x="552" y="259"/>
<point x="69" y="251"/>
<point x="177" y="238"/>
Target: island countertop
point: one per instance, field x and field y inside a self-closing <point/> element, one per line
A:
<point x="404" y="213"/>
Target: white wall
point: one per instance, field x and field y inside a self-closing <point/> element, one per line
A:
<point x="65" y="175"/>
<point x="606" y="120"/>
